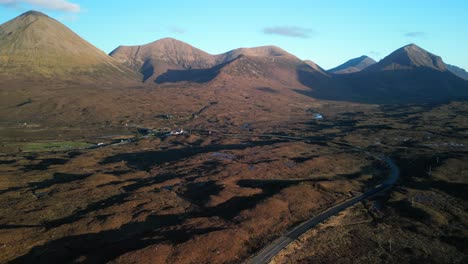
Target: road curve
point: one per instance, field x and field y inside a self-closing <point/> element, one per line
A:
<point x="267" y="253"/>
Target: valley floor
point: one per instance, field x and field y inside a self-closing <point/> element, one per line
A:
<point x="225" y="189"/>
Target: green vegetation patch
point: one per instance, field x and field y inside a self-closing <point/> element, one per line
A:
<point x="51" y="146"/>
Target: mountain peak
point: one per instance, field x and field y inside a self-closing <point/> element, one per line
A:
<point x="412" y="45"/>
<point x="354" y="65"/>
<point x="158" y="44"/>
<point x="169" y="40"/>
<point x="413" y="48"/>
<point x="33" y="13"/>
<point x="262" y="51"/>
<point x="410" y="57"/>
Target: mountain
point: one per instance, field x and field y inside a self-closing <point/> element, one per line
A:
<point x="409" y="57"/>
<point x="460" y="72"/>
<point x="353" y="65"/>
<point x="250" y="64"/>
<point x="34" y="45"/>
<point x="156" y="58"/>
<point x="408" y="75"/>
<point x="266" y="62"/>
<point x="169" y="60"/>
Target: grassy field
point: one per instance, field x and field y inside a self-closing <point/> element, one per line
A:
<point x="48" y="146"/>
<point x="42" y="146"/>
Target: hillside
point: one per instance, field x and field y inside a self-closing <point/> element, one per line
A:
<point x="458" y="71"/>
<point x="35" y="45"/>
<point x="154" y="59"/>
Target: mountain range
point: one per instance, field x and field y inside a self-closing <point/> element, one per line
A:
<point x="170" y="60"/>
<point x="34" y="45"/>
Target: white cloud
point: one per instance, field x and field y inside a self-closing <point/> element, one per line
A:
<point x="59" y="5"/>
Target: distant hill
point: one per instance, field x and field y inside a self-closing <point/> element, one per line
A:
<point x="285" y="70"/>
<point x="353" y="65"/>
<point x="407" y="58"/>
<point x="408" y="75"/>
<point x="267" y="63"/>
<point x="34" y="45"/>
<point x="460" y="72"/>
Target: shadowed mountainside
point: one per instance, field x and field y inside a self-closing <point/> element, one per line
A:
<point x="408" y="75"/>
<point x="420" y="85"/>
<point x="458" y="71"/>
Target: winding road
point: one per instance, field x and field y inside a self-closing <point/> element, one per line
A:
<point x="267" y="253"/>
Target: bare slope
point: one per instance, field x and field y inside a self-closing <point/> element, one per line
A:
<point x="35" y="45"/>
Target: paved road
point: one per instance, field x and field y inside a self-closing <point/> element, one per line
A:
<point x="267" y="253"/>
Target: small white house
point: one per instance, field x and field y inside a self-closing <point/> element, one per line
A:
<point x="177" y="132"/>
<point x="318" y="116"/>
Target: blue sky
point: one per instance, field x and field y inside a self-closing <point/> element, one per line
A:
<point x="327" y="32"/>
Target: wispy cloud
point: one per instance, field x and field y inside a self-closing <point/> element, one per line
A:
<point x="415" y="34"/>
<point x="58" y="5"/>
<point x="294" y="32"/>
<point x="177" y="30"/>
